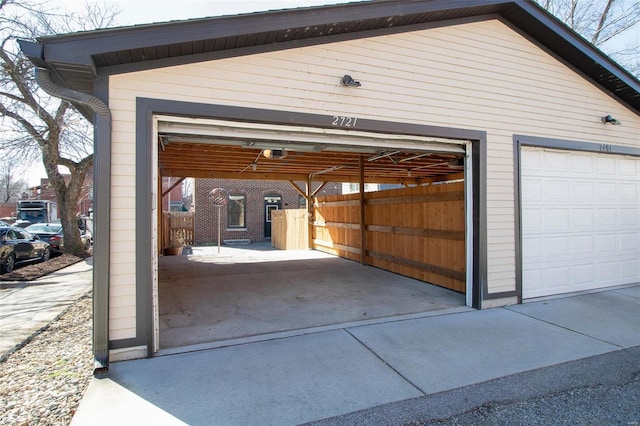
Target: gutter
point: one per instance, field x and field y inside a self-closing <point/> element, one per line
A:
<point x="101" y="210"/>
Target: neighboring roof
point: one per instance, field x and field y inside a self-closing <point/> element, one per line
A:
<point x="76" y="59"/>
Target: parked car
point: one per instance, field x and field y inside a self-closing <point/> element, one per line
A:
<point x="52" y="234"/>
<point x="18" y="246"/>
<point x="7" y="221"/>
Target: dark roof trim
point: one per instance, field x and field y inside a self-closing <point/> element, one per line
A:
<point x="76" y="59"/>
<point x="244" y="51"/>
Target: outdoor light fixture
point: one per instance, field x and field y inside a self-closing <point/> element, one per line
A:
<point x="609" y="119"/>
<point x="348" y="81"/>
<point x="274" y="153"/>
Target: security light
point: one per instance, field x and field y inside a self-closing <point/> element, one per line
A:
<point x="348" y="81"/>
<point x="609" y="119"/>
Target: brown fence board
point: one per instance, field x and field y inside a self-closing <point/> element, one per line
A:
<point x="289" y="230"/>
<point x="177" y="228"/>
<point x="417" y="232"/>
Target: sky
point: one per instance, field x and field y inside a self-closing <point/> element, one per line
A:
<point x="147" y="11"/>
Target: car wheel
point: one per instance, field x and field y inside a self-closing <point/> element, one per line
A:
<point x="8" y="264"/>
<point x="46" y="254"/>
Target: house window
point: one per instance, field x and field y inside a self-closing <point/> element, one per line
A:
<point x="236" y="211"/>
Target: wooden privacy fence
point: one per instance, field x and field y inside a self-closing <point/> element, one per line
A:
<point x="289" y="229"/>
<point x="177" y="228"/>
<point x="418" y="232"/>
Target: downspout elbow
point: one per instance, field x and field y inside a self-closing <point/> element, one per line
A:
<point x="43" y="77"/>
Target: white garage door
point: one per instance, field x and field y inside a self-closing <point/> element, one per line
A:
<point x="580" y="221"/>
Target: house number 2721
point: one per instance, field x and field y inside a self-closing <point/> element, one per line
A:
<point x="340" y="121"/>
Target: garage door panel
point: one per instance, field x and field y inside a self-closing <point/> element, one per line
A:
<point x="630" y="242"/>
<point x="606" y="244"/>
<point x="583" y="219"/>
<point x="582" y="164"/>
<point x="608" y="272"/>
<point x="583" y="274"/>
<point x="556" y="277"/>
<point x="555" y="161"/>
<point x="556" y="219"/>
<point x="556" y="189"/>
<point x="582" y="245"/>
<point x="629" y="269"/>
<point x="629" y="219"/>
<point x="606" y="166"/>
<point x="606" y="220"/>
<point x="580" y="221"/>
<point x="628" y="192"/>
<point x="582" y="192"/>
<point x="629" y="167"/>
<point x="606" y="192"/>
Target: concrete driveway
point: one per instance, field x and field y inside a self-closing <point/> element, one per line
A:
<point x="305" y="378"/>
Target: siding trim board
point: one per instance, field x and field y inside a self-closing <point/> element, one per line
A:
<point x="147" y="108"/>
<point x="520" y="141"/>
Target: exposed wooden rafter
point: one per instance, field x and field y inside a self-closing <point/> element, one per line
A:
<point x="206" y="160"/>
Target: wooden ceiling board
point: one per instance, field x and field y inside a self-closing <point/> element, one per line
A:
<point x="191" y="159"/>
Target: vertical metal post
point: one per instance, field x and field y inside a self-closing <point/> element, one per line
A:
<point x="219" y="208"/>
<point x="310" y="217"/>
<point x="363" y="225"/>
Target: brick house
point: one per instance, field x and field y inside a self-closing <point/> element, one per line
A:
<point x="172" y="201"/>
<point x="246" y="213"/>
<point x="44" y="191"/>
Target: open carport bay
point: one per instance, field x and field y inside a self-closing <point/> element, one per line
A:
<point x="249" y="291"/>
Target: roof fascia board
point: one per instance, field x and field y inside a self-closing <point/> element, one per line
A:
<point x="102" y="41"/>
<point x="293" y="44"/>
<point x="33" y="51"/>
<point x="579" y="43"/>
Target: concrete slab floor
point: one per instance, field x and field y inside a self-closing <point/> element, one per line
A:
<point x="253" y="290"/>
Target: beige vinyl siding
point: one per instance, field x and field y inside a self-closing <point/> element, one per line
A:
<point x="122" y="292"/>
<point x="479" y="75"/>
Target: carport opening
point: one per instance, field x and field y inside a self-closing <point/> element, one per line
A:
<point x="308" y="272"/>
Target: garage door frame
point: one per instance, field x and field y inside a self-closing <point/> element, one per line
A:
<point x="147" y="109"/>
<point x="532" y="141"/>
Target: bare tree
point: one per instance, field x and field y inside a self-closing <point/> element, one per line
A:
<point x="187" y="193"/>
<point x="608" y="24"/>
<point x="38" y="126"/>
<point x="11" y="186"/>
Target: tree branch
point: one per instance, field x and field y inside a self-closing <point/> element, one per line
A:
<point x="18" y="79"/>
<point x="603" y="18"/>
<point x="33" y="132"/>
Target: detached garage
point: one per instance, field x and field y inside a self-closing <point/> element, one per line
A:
<point x="537" y="128"/>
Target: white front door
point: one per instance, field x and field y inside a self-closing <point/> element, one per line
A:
<point x="580" y="221"/>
